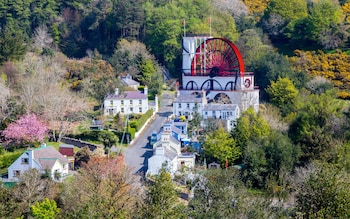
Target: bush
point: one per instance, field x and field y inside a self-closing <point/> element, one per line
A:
<point x="132" y="132"/>
<point x="87" y="136"/>
<point x="141" y="121"/>
<point x="8" y="158"/>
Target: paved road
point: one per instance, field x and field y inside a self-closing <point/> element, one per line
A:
<point x="137" y="154"/>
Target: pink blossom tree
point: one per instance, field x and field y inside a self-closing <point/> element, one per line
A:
<point x="27" y="129"/>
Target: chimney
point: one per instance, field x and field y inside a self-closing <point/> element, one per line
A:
<point x="145" y="90"/>
<point x="116" y="91"/>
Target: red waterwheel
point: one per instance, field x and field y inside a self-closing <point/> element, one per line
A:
<point x="217" y="57"/>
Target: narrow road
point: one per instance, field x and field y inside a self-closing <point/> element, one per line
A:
<point x="136" y="155"/>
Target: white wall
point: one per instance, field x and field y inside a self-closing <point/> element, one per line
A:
<point x="126" y="106"/>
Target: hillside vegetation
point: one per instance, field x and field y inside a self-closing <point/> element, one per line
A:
<point x="58" y="59"/>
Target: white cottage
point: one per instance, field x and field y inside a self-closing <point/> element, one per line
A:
<point x="162" y="157"/>
<point x="45" y="159"/>
<point x="167" y="151"/>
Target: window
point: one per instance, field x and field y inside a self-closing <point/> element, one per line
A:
<point x="122" y="102"/>
<point x="130" y="101"/>
<point x="206" y="113"/>
<point x="140" y="101"/>
<point x="140" y="110"/>
<point x="25" y="160"/>
<point x="111" y="102"/>
<point x="110" y="111"/>
<point x="122" y="110"/>
<point x="179" y="105"/>
<point x="188" y="105"/>
<point x="131" y="109"/>
<point x="16" y="173"/>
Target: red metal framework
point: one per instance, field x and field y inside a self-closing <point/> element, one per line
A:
<point x="217" y="57"/>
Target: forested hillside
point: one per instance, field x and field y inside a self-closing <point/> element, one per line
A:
<point x="58" y="59"/>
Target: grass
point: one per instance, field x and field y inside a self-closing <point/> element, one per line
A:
<point x="56" y="145"/>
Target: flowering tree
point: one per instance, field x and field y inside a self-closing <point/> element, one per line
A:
<point x="26" y="129"/>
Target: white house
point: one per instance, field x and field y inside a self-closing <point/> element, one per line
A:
<point x="127" y="102"/>
<point x="162" y="157"/>
<point x="167" y="151"/>
<point x="45" y="159"/>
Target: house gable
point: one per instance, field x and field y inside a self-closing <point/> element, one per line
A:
<point x="44" y="158"/>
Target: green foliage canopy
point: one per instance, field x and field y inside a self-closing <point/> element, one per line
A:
<point x="221" y="146"/>
<point x="325" y="194"/>
<point x="161" y="199"/>
<point x="47" y="209"/>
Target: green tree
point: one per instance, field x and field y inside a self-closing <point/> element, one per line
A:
<point x="282" y="94"/>
<point x="268" y="160"/>
<point x="12" y="44"/>
<point x="108" y="139"/>
<point x="322" y="14"/>
<point x="250" y="127"/>
<point x="325" y="193"/>
<point x="281" y="16"/>
<point x="221" y="194"/>
<point x="130" y="18"/>
<point x="161" y="199"/>
<point x="221" y="146"/>
<point x="47" y="209"/>
<point x="318" y="123"/>
<point x="8" y="206"/>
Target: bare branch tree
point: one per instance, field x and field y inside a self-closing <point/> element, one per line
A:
<point x="235" y="7"/>
<point x="32" y="188"/>
<point x="42" y="38"/>
<point x="42" y="91"/>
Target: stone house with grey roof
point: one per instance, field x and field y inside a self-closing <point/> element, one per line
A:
<point x="129" y="82"/>
<point x="45" y="159"/>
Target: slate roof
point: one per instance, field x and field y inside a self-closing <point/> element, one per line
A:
<point x="216" y="107"/>
<point x="129" y="82"/>
<point x="127" y="95"/>
<point x="175" y="129"/>
<point x="174" y="140"/>
<point x="47" y="156"/>
<point x="171" y="154"/>
<point x="47" y="163"/>
<point x="188" y="99"/>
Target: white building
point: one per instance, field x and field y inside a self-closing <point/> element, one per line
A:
<point x="214" y="83"/>
<point x="45" y="159"/>
<point x="127" y="102"/>
<point x="167" y="152"/>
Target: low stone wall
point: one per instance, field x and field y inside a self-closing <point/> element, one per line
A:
<point x="79" y="143"/>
